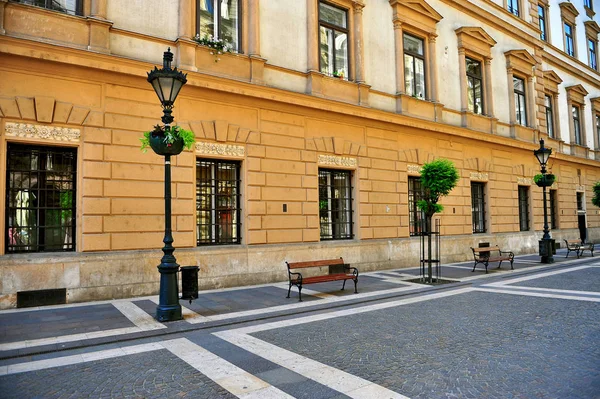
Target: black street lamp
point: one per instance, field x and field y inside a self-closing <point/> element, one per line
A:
<point x="167" y="83"/>
<point x="546" y="244"/>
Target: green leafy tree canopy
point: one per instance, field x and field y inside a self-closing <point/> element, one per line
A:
<point x="596" y="198"/>
<point x="438" y="178"/>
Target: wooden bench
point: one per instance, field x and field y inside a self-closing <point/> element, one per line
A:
<point x="578" y="247"/>
<point x="344" y="273"/>
<point x="484" y="255"/>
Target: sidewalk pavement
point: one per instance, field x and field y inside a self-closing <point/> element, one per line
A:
<point x="31" y="333"/>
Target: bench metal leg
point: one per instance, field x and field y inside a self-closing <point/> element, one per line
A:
<point x="474" y="266"/>
<point x="300" y="293"/>
<point x="499" y="265"/>
<point x="289" y="289"/>
<point x="486" y="265"/>
<point x="355" y="284"/>
<point x="511" y="265"/>
<point x="344" y="285"/>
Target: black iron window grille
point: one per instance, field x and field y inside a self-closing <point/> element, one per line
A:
<point x="478" y="207"/>
<point x="220" y="19"/>
<point x="333" y="40"/>
<point x="474" y="86"/>
<point x="335" y="204"/>
<point x="553" y="210"/>
<point x="217" y="202"/>
<point x="542" y="22"/>
<point x="71" y="7"/>
<point x="415" y="215"/>
<point x="524" y="208"/>
<point x="576" y="125"/>
<point x="549" y="116"/>
<point x="414" y="66"/>
<point x="513" y="7"/>
<point x="520" y="101"/>
<point x="569" y="46"/>
<point x="40" y="199"/>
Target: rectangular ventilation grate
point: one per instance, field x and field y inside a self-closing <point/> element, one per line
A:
<point x="28" y="299"/>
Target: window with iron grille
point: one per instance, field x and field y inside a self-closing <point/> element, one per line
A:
<point x="333" y="40"/>
<point x="217" y="202"/>
<point x="553" y="210"/>
<point x="513" y="7"/>
<point x="478" y="207"/>
<point x="220" y="19"/>
<point x="524" y="208"/>
<point x="335" y="204"/>
<point x="520" y="104"/>
<point x="474" y="86"/>
<point x="40" y="198"/>
<point x="415" y="215"/>
<point x="71" y="7"/>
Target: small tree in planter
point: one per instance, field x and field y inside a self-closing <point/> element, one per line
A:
<point x="596" y="197"/>
<point x="438" y="178"/>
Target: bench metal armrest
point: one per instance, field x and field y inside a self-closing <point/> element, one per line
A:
<point x="354" y="269"/>
<point x="297" y="274"/>
<point x="509" y="253"/>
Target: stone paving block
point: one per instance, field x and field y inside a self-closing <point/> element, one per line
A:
<point x="579" y="280"/>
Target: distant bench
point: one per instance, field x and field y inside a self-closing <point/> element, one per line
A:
<point x="345" y="273"/>
<point x="485" y="255"/>
<point x="578" y="247"/>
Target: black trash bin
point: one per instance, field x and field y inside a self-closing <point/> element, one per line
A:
<point x="189" y="282"/>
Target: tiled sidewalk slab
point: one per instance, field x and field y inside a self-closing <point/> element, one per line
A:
<point x="587" y="279"/>
<point x="45" y="323"/>
<point x="366" y="284"/>
<point x="154" y="374"/>
<point x="472" y="345"/>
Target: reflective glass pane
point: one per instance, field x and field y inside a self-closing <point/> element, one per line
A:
<point x="478" y="97"/>
<point x="413" y="44"/>
<point x="409" y="75"/>
<point x="518" y="84"/>
<point x="206" y="18"/>
<point x="332" y="15"/>
<point x="341" y="53"/>
<point x="229" y="22"/>
<point x="420" y="78"/>
<point x="473" y="67"/>
<point x="326" y="49"/>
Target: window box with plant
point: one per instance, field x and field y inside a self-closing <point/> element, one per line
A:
<point x="217" y="46"/>
<point x="544" y="180"/>
<point x="167" y="140"/>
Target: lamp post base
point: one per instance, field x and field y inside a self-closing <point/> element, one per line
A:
<point x="168" y="313"/>
<point x="546" y="250"/>
<point x="168" y="308"/>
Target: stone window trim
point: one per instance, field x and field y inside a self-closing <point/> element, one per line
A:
<point x="520" y="64"/>
<point x="576" y="98"/>
<point x="568" y="14"/>
<point x="354" y="8"/>
<point x="475" y="43"/>
<point x="591" y="33"/>
<point x="595" y="102"/>
<point x="551" y="83"/>
<point x="419" y="19"/>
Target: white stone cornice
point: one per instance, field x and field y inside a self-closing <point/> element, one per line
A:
<point x="220" y="149"/>
<point x="43" y="132"/>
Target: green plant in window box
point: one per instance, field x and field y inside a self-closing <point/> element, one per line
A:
<point x="544" y="180"/>
<point x="217" y="46"/>
<point x="339" y="74"/>
<point x="167" y="140"/>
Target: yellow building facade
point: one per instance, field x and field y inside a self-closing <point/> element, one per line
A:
<point x="306" y="148"/>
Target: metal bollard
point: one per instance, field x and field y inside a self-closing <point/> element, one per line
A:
<point x="189" y="282"/>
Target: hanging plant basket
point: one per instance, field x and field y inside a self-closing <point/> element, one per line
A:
<point x="161" y="146"/>
<point x="167" y="140"/>
<point x="544" y="180"/>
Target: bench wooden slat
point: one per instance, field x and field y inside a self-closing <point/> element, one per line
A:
<point x="486" y="249"/>
<point x="329" y="277"/>
<point x="315" y="263"/>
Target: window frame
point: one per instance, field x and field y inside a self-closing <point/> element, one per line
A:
<point x="478" y="217"/>
<point x="592" y="54"/>
<point x="514" y="7"/>
<point x="48" y="5"/>
<point x="213" y="238"/>
<point x="549" y="107"/>
<point x="334" y="28"/>
<point x="589" y="4"/>
<point x="422" y="57"/>
<point x="543" y="21"/>
<point x="576" y="115"/>
<point x="481" y="83"/>
<point x="41" y="174"/>
<point x="524" y="216"/>
<point x="217" y="17"/>
<point x="569" y="41"/>
<point x="520" y="95"/>
<point x="416" y="217"/>
<point x="349" y="212"/>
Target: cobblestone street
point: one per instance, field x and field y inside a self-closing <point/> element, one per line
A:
<point x="531" y="332"/>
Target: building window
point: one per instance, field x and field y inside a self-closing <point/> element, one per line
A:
<point x="335" y="204"/>
<point x="588" y="4"/>
<point x="474" y="86"/>
<point x="333" y="40"/>
<point x="553" y="210"/>
<point x="520" y="104"/>
<point x="592" y="55"/>
<point x="524" y="208"/>
<point x="549" y="116"/>
<point x="478" y="207"/>
<point x="219" y="19"/>
<point x="414" y="66"/>
<point x="576" y="125"/>
<point x="217" y="202"/>
<point x="542" y="22"/>
<point x="415" y="215"/>
<point x="580" y="202"/>
<point x="513" y="7"/>
<point x="598" y="129"/>
<point x="569" y="47"/>
<point x="40" y="195"/>
<point x="71" y="7"/>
